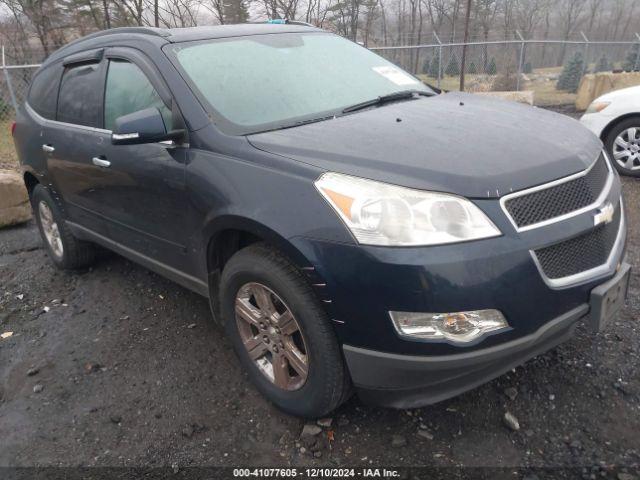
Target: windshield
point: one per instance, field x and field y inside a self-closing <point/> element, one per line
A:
<point x="263" y="82"/>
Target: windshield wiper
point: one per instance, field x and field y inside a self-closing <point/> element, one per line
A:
<point x="392" y="97"/>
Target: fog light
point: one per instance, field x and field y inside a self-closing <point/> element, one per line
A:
<point x="460" y="327"/>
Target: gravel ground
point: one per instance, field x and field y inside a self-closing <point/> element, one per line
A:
<point x="116" y="366"/>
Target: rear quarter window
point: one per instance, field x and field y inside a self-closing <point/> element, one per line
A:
<point x="43" y="93"/>
<point x="80" y="97"/>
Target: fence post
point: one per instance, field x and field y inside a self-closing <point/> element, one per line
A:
<point x="521" y="60"/>
<point x="637" y="65"/>
<point x="439" y="58"/>
<point x="585" y="68"/>
<point x="8" y="80"/>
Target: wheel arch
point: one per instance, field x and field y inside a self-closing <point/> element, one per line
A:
<point x="612" y="124"/>
<point x="30" y="181"/>
<point x="228" y="234"/>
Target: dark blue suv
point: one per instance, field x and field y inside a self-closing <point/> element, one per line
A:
<point x="350" y="226"/>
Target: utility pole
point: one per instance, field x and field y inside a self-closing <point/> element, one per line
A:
<point x="464" y="46"/>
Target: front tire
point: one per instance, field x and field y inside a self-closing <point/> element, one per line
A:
<point x="281" y="334"/>
<point x="65" y="250"/>
<point x="623" y="146"/>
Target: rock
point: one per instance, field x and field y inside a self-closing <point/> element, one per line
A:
<point x="317" y="454"/>
<point x="511" y="421"/>
<point x="92" y="367"/>
<point x="192" y="325"/>
<point x="188" y="431"/>
<point x="425" y="434"/>
<point x="626" y="476"/>
<point x="37" y="388"/>
<point x="117" y="419"/>
<point x="310" y="430"/>
<point x="398" y="441"/>
<point x="594" y="85"/>
<point x="511" y="392"/>
<point x="325" y="422"/>
<point x="14" y="200"/>
<point x="33" y="371"/>
<point x="343" y="421"/>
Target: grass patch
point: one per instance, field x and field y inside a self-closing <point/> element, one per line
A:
<point x="8" y="157"/>
<point x="542" y="81"/>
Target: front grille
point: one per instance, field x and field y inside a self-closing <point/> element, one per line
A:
<point x="582" y="253"/>
<point x="540" y="205"/>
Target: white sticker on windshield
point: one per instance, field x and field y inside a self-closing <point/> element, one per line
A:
<point x="395" y="75"/>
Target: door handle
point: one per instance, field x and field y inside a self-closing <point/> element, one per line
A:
<point x="48" y="148"/>
<point x="100" y="162"/>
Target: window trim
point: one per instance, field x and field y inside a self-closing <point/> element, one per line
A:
<point x="58" y="123"/>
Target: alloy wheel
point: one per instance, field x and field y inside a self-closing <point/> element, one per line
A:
<point x="626" y="148"/>
<point x="272" y="336"/>
<point x="50" y="229"/>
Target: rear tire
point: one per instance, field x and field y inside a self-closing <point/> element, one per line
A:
<point x="65" y="250"/>
<point x="631" y="152"/>
<point x="257" y="276"/>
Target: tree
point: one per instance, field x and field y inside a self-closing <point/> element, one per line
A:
<point x="434" y="68"/>
<point x="472" y="68"/>
<point x="235" y="11"/>
<point x="632" y="61"/>
<point x="426" y="66"/>
<point x="453" y="67"/>
<point x="492" y="69"/>
<point x="527" y="68"/>
<point x="603" y="65"/>
<point x="571" y="74"/>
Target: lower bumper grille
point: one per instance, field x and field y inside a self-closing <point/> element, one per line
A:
<point x="582" y="253"/>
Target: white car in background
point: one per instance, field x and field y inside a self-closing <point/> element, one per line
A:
<point x="615" y="118"/>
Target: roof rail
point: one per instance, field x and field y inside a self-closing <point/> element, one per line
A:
<point x="158" y="32"/>
<point x="281" y="21"/>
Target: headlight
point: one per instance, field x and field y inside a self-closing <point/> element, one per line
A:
<point x="459" y="327"/>
<point x="382" y="214"/>
<point x="596" y="107"/>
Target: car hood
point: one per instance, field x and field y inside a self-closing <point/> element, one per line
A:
<point x="466" y="144"/>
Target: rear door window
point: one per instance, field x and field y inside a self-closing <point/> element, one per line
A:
<point x="43" y="93"/>
<point x="80" y="97"/>
<point x="129" y="90"/>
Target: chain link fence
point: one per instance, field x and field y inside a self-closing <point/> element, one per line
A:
<point x="551" y="69"/>
<point x="14" y="84"/>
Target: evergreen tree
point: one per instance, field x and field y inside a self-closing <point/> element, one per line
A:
<point x="472" y="68"/>
<point x="603" y="65"/>
<point x="527" y="68"/>
<point x="434" y="68"/>
<point x="491" y="68"/>
<point x="426" y="66"/>
<point x="571" y="74"/>
<point x="453" y="67"/>
<point x="632" y="62"/>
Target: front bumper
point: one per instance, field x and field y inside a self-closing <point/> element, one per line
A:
<point x="404" y="381"/>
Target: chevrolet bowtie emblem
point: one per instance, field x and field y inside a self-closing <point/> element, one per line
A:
<point x="604" y="214"/>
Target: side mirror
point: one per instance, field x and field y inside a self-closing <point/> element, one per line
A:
<point x="143" y="126"/>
